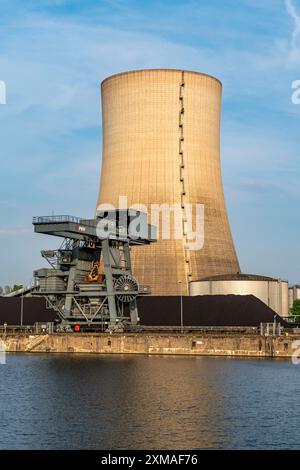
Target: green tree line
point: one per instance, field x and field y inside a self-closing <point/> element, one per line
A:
<point x="8" y="289"/>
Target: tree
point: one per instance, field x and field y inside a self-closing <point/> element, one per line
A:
<point x="16" y="287"/>
<point x="6" y="290"/>
<point x="1" y="291"/>
<point x="296" y="309"/>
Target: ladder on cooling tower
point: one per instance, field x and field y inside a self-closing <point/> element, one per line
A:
<point x="187" y="260"/>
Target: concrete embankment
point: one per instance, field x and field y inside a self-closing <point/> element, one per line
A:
<point x="154" y="343"/>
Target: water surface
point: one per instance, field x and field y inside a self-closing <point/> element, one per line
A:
<point x="51" y="401"/>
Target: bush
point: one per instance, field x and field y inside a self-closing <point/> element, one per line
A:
<point x="296" y="308"/>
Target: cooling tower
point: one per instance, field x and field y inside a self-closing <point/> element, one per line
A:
<point x="161" y="145"/>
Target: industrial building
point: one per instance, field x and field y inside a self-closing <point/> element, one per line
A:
<point x="161" y="145"/>
<point x="273" y="292"/>
<point x="294" y="294"/>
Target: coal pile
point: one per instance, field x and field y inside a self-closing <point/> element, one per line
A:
<point x="34" y="310"/>
<point x="206" y="310"/>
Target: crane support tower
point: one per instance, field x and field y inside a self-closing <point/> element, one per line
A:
<point x="90" y="281"/>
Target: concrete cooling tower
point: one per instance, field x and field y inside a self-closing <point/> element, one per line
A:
<point x="161" y="145"/>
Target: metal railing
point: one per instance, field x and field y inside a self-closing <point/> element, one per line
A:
<point x="50" y="328"/>
<point x="196" y="329"/>
<point x="16" y="329"/>
<point x="56" y="218"/>
<point x="37" y="328"/>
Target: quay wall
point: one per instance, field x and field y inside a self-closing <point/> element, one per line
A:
<point x="193" y="344"/>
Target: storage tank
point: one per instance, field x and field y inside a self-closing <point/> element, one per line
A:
<point x="161" y="145"/>
<point x="294" y="294"/>
<point x="273" y="292"/>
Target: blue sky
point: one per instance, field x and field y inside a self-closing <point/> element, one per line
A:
<point x="53" y="56"/>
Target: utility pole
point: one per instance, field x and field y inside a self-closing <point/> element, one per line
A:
<point x="22" y="308"/>
<point x="181" y="307"/>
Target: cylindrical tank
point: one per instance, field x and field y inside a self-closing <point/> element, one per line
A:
<point x="161" y="145"/>
<point x="273" y="292"/>
<point x="294" y="294"/>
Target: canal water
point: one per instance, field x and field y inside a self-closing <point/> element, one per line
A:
<point x="148" y="402"/>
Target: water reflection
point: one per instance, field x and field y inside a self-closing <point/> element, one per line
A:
<point x="152" y="402"/>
